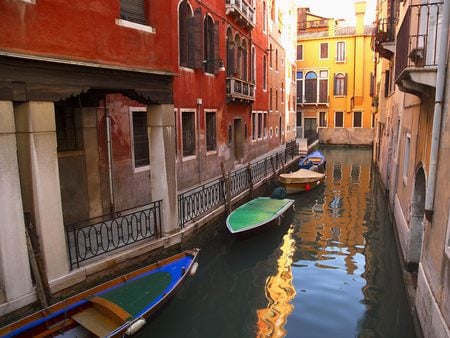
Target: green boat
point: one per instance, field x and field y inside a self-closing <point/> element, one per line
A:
<point x="257" y="213"/>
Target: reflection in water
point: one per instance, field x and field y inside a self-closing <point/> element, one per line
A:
<point x="279" y="291"/>
<point x="330" y="269"/>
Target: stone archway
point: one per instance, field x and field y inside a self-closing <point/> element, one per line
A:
<point x="416" y="222"/>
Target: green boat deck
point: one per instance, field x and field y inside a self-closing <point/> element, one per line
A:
<point x="257" y="212"/>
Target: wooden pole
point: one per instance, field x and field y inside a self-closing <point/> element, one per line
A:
<point x="227" y="191"/>
<point x="42" y="287"/>
<point x="250" y="177"/>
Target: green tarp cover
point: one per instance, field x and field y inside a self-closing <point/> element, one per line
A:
<point x="256" y="212"/>
<point x="136" y="295"/>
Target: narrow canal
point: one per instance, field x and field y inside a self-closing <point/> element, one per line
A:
<point x="329" y="270"/>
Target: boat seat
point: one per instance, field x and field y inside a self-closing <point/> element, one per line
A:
<point x="102" y="318"/>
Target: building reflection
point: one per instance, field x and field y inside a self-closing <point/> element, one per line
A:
<point x="279" y="291"/>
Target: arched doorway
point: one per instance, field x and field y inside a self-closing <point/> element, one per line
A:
<point x="416" y="221"/>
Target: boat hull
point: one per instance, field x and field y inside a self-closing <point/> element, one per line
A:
<point x="294" y="188"/>
<point x="257" y="215"/>
<point x="314" y="160"/>
<point x="113" y="308"/>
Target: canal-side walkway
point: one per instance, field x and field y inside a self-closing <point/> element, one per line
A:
<point x="197" y="207"/>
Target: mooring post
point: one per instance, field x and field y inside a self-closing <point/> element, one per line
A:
<point x="226" y="178"/>
<point x="250" y="178"/>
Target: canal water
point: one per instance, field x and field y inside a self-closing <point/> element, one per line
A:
<point x="329" y="270"/>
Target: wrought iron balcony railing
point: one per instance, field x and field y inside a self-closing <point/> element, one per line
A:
<point x="384" y="34"/>
<point x="243" y="12"/>
<point x="417" y="40"/>
<point x="238" y="89"/>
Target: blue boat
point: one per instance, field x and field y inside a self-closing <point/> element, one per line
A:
<point x="313" y="161"/>
<point x="115" y="308"/>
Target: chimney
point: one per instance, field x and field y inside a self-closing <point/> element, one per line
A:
<point x="360" y="11"/>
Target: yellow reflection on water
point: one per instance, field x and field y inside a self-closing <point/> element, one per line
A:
<point x="279" y="292"/>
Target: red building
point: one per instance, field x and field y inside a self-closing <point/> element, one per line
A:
<point x="221" y="92"/>
<point x="106" y="107"/>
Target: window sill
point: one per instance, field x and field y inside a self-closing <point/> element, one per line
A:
<point x="141" y="169"/>
<point x="211" y="152"/>
<point x="134" y="25"/>
<point x="31" y="2"/>
<point x="189" y="158"/>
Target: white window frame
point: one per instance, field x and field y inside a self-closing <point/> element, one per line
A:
<point x="353" y="118"/>
<point x="326" y="120"/>
<point x="339" y="52"/>
<point x="343" y="118"/>
<point x="131" y="111"/>
<point x="407" y="151"/>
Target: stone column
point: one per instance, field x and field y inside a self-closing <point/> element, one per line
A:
<point x="161" y="136"/>
<point x="15" y="276"/>
<point x="90" y="141"/>
<point x="39" y="174"/>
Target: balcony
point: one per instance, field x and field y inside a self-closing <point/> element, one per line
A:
<point x="240" y="90"/>
<point x="242" y="12"/>
<point x="383" y="38"/>
<point x="312" y="24"/>
<point x="417" y="49"/>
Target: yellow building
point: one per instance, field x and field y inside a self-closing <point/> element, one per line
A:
<point x="335" y="67"/>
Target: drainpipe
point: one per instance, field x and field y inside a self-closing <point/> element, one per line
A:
<point x="110" y="171"/>
<point x="437" y="117"/>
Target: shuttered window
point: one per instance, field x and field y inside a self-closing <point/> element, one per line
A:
<point x="339" y="119"/>
<point x="324" y="50"/>
<point x="133" y="10"/>
<point x="208" y="32"/>
<point x="340" y="84"/>
<point x="211" y="140"/>
<point x="357" y="119"/>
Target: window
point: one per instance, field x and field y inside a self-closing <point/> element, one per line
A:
<point x="253" y="66"/>
<point x="357" y="119"/>
<point x="264" y="72"/>
<point x="299" y="119"/>
<point x="254" y="125"/>
<point x="311" y="87"/>
<point x="299" y="87"/>
<point x="339" y="119"/>
<point x="211" y="143"/>
<point x="230" y="134"/>
<point x="324" y="50"/>
<point x="270" y="56"/>
<point x="260" y="125"/>
<point x="276" y="100"/>
<point x="322" y="119"/>
<point x="238" y="56"/>
<point x="133" y="10"/>
<point x="300" y="52"/>
<point x="68" y="133"/>
<point x="188" y="130"/>
<point x="323" y="86"/>
<point x="244" y="60"/>
<point x="211" y="40"/>
<point x="282" y="92"/>
<point x="340" y="84"/>
<point x="140" y="150"/>
<point x="264" y="16"/>
<point x="340" y="51"/>
<point x="406" y="158"/>
<point x="270" y="99"/>
<point x="185" y="45"/>
<point x="265" y="124"/>
<point x="230" y="53"/>
<point x="387" y="82"/>
<point x="272" y="11"/>
<point x="276" y="59"/>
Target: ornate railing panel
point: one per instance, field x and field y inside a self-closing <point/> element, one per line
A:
<point x="243" y="11"/>
<point x="238" y="89"/>
<point x="200" y="200"/>
<point x="97" y="236"/>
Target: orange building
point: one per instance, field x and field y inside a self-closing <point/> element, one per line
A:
<point x="334" y="79"/>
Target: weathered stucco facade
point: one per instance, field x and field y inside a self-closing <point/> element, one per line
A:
<point x="412" y="145"/>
